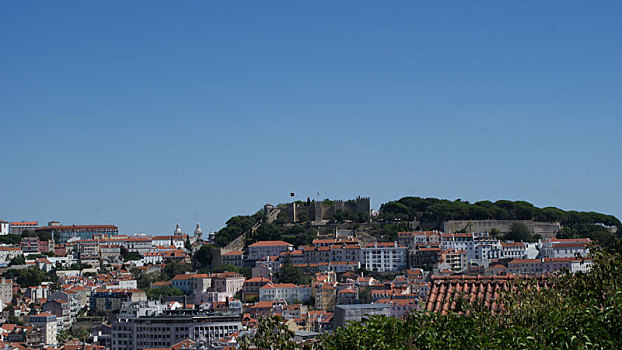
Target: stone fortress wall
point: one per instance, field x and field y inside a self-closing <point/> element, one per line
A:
<point x="544" y="229"/>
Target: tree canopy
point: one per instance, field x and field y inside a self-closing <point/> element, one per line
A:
<point x="162" y="292"/>
<point x="202" y="258"/>
<point x="30" y="276"/>
<point x="434" y="210"/>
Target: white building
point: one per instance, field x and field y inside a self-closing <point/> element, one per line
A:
<point x="469" y="242"/>
<point x="384" y="256"/>
<point x="528" y="267"/>
<point x="262" y="249"/>
<point x="565" y="248"/>
<point x="4" y="227"/>
<point x="47" y="323"/>
<point x="574" y="265"/>
<point x="7" y="253"/>
<point x="166" y="241"/>
<point x="228" y="282"/>
<point x="6" y="291"/>
<point x="156" y="328"/>
<point x="284" y="291"/>
<point x="18" y="227"/>
<point x="512" y="250"/>
<point x="153" y="258"/>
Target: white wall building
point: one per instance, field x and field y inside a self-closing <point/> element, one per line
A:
<point x="284" y="291"/>
<point x="4" y="227"/>
<point x="384" y="256"/>
<point x="262" y="249"/>
<point x="565" y="248"/>
<point x="47" y="323"/>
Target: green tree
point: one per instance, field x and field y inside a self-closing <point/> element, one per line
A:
<point x="292" y="274"/>
<point x="30" y="276"/>
<point x="518" y="232"/>
<point x="495" y="233"/>
<point x="303" y="216"/>
<point x="365" y="296"/>
<point x="202" y="258"/>
<point x="271" y="334"/>
<point x="134" y="255"/>
<point x="176" y="268"/>
<point x="18" y="260"/>
<point x="163" y="292"/>
<point x="226" y="268"/>
<point x="10" y="239"/>
<point x="144" y="280"/>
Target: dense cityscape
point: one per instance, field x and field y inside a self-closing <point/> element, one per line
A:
<point x="89" y="286"/>
<point x="315" y="175"/>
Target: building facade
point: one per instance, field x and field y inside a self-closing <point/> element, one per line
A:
<point x="169" y="327"/>
<point x="62" y="233"/>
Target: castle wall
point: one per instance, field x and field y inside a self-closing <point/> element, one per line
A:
<point x="544" y="229"/>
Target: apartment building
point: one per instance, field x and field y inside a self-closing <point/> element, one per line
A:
<point x="284" y="291"/>
<point x="565" y="248"/>
<point x="163" y="329"/>
<point x="46" y="322"/>
<point x="384" y="256"/>
<point x="262" y="249"/>
<point x="6" y="292"/>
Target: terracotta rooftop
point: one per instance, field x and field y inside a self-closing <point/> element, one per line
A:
<point x="485" y="289"/>
<point x="270" y="244"/>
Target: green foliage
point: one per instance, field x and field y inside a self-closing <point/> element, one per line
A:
<point x="18" y="260"/>
<point x="132" y="256"/>
<point x="30" y="276"/>
<point x="15" y="320"/>
<point x="365" y="296"/>
<point x="226" y="268"/>
<point x="282" y="218"/>
<point x="519" y="233"/>
<point x="437" y="210"/>
<point x="388" y="231"/>
<point x="303" y="216"/>
<point x="162" y="292"/>
<point x="10" y="239"/>
<point x="43" y="236"/>
<point x="297" y="235"/>
<point x="175" y="268"/>
<point x="246" y="271"/>
<point x="144" y="280"/>
<point x="598" y="233"/>
<point x="292" y="274"/>
<point x="495" y="233"/>
<point x="236" y="226"/>
<point x="202" y="258"/>
<point x="271" y="334"/>
<point x="343" y="215"/>
<point x="581" y="311"/>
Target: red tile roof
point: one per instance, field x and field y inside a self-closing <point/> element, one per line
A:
<point x="445" y="290"/>
<point x="24" y="223"/>
<point x="270" y="244"/>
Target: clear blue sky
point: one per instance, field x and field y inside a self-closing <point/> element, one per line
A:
<point x="142" y="114"/>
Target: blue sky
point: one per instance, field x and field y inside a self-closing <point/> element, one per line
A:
<point x="142" y="114"/>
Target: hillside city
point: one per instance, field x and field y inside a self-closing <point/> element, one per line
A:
<point x="316" y="265"/>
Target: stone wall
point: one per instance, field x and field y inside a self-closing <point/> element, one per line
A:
<point x="318" y="211"/>
<point x="544" y="229"/>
